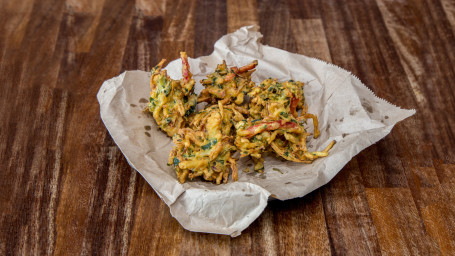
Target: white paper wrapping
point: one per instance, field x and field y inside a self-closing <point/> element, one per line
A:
<point x="347" y="110"/>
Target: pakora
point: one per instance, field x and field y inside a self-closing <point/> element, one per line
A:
<point x="172" y="101"/>
<point x="228" y="84"/>
<point x="205" y="150"/>
<point x="277" y="100"/>
<point x="277" y="124"/>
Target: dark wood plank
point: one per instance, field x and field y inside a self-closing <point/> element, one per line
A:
<point x="143" y="47"/>
<point x="412" y="42"/>
<point x="438" y="217"/>
<point x="241" y="13"/>
<point x="15" y="16"/>
<point x="149" y="210"/>
<point x="449" y="9"/>
<point x="310" y="37"/>
<point x="209" y="244"/>
<point x="88" y="149"/>
<point x="31" y="142"/>
<point x="178" y="29"/>
<point x="348" y="215"/>
<point x="210" y="25"/>
<point x="276" y="25"/>
<point x="400" y="230"/>
<point x="301" y="226"/>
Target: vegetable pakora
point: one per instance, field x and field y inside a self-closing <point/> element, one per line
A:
<point x="277" y="100"/>
<point x="206" y="149"/>
<point x="228" y="84"/>
<point x="277" y="124"/>
<point x="172" y="101"/>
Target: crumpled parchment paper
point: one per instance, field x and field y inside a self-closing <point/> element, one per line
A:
<point x="347" y="110"/>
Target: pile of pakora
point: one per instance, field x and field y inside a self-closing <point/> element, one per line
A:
<point x="206" y="141"/>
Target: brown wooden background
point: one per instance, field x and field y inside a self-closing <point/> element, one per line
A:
<point x="66" y="189"/>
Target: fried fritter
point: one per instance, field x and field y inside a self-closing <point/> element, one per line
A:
<point x="172" y="101"/>
<point x="277" y="124"/>
<point x="206" y="148"/>
<point x="228" y="84"/>
<point x="277" y="100"/>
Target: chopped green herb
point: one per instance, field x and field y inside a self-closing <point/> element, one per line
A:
<point x="167" y="90"/>
<point x="209" y="145"/>
<point x="176" y="161"/>
<point x="206" y="146"/>
<point x="191" y="110"/>
<point x="162" y="81"/>
<point x="278" y="170"/>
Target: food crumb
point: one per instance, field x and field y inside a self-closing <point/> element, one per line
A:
<point x="277" y="170"/>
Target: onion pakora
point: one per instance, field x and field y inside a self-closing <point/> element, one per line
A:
<point x="228" y="84"/>
<point x="277" y="100"/>
<point x="206" y="149"/>
<point x="172" y="101"/>
<point x="278" y="124"/>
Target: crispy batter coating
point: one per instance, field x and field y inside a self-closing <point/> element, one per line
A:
<point x="172" y="101"/>
<point x="228" y="84"/>
<point x="206" y="148"/>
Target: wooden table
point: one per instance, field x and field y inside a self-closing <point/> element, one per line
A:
<point x="66" y="189"/>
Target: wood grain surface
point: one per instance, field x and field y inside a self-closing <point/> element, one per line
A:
<point x="66" y="189"/>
